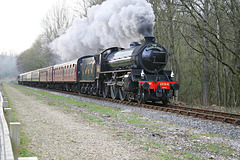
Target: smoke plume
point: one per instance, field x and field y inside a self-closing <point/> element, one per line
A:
<point x="113" y="23"/>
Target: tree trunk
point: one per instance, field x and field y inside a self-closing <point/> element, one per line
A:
<point x="205" y="85"/>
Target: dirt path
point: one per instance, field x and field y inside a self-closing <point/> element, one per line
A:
<point x="57" y="132"/>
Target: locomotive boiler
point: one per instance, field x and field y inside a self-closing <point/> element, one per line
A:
<point x="151" y="57"/>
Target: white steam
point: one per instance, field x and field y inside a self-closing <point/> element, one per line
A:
<point x="113" y="23"/>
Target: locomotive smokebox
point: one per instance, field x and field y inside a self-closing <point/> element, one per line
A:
<point x="149" y="39"/>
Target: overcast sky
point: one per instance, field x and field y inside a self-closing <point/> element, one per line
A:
<point x="20" y="23"/>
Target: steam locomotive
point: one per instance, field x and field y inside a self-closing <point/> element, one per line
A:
<point x="134" y="74"/>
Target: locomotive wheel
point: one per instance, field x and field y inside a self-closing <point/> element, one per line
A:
<point x="122" y="93"/>
<point x="82" y="90"/>
<point x="165" y="97"/>
<point x="105" y="89"/>
<point x="114" y="92"/>
<point x="128" y="97"/>
<point x="91" y="91"/>
<point x="95" y="91"/>
<point x="141" y="97"/>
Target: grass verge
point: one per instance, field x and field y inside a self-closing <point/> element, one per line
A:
<point x="155" y="148"/>
<point x="24" y="140"/>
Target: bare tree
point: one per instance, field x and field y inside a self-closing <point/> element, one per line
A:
<point x="57" y="20"/>
<point x="82" y="6"/>
<point x="232" y="21"/>
<point x="205" y="85"/>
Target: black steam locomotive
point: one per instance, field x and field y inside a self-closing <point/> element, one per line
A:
<point x="134" y="74"/>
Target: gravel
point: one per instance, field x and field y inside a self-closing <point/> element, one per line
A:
<point x="56" y="129"/>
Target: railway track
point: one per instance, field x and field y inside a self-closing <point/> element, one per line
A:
<point x="188" y="111"/>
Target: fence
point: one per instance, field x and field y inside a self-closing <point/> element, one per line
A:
<point x="10" y="133"/>
<point x="6" y="146"/>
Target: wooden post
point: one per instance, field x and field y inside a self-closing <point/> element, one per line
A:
<point x="15" y="138"/>
<point x="5" y="104"/>
<point x="8" y="115"/>
<point x="4" y="98"/>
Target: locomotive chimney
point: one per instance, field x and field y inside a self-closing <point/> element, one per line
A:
<point x="149" y="39"/>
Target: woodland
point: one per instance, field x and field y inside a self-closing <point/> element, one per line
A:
<point x="202" y="38"/>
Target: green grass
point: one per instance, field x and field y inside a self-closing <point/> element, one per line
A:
<point x="167" y="156"/>
<point x="162" y="151"/>
<point x="210" y="134"/>
<point x="218" y="149"/>
<point x="24" y="142"/>
<point x="189" y="156"/>
<point x="193" y="137"/>
<point x="91" y="118"/>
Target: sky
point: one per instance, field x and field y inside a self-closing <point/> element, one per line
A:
<point x="20" y="23"/>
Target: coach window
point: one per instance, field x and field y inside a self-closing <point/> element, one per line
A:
<point x="73" y="68"/>
<point x="69" y="71"/>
